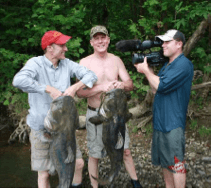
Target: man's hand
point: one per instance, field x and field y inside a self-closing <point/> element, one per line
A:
<point x="108" y="86"/>
<point x="70" y="91"/>
<point x="53" y="92"/>
<point x="112" y="85"/>
<point x="142" y="67"/>
<point x="149" y="73"/>
<point x="118" y="84"/>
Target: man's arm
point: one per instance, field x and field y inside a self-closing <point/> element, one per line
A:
<point x="25" y="78"/>
<point x="71" y="91"/>
<point x="85" y="92"/>
<point x="53" y="92"/>
<point x="83" y="74"/>
<point x="126" y="82"/>
<point x="89" y="92"/>
<point x="153" y="79"/>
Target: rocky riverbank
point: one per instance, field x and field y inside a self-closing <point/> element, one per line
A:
<point x="198" y="161"/>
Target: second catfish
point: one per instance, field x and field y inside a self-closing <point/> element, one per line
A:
<point x="113" y="114"/>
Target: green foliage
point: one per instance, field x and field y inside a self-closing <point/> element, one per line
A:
<point x="201" y="58"/>
<point x="207" y="69"/>
<point x="132" y="127"/>
<point x="149" y="129"/>
<point x="135" y="129"/>
<point x="199" y="103"/>
<point x="193" y="124"/>
<point x="160" y="16"/>
<point x="75" y="46"/>
<point x="139" y="88"/>
<point x="82" y="106"/>
<point x="10" y="63"/>
<point x="204" y="131"/>
<point x="201" y="130"/>
<point x="23" y="23"/>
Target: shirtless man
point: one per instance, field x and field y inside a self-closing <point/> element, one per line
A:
<point x="109" y="69"/>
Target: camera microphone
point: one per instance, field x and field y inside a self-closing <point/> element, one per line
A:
<point x="128" y="45"/>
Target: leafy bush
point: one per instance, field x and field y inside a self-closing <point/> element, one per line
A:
<point x="204" y="131"/>
<point x="140" y="89"/>
<point x="23" y="23"/>
<point x="10" y="63"/>
<point x="82" y="106"/>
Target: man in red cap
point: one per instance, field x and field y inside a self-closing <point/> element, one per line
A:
<point x="45" y="78"/>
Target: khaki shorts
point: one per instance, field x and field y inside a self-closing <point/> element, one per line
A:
<point x="40" y="158"/>
<point x="94" y="137"/>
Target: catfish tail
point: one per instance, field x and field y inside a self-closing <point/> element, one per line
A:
<point x="112" y="175"/>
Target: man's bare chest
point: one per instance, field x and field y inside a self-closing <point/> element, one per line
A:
<point x="105" y="72"/>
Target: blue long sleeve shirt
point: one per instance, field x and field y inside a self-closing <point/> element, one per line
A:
<point x="39" y="72"/>
<point x="173" y="94"/>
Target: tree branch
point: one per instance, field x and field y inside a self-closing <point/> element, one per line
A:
<point x="199" y="86"/>
<point x="197" y="35"/>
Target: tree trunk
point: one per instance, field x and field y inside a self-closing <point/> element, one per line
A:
<point x="144" y="107"/>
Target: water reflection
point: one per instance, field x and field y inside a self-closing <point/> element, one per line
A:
<point x="15" y="167"/>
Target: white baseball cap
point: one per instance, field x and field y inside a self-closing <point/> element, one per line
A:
<point x="172" y="34"/>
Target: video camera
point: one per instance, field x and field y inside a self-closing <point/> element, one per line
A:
<point x="153" y="58"/>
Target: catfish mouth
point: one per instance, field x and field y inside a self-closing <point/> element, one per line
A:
<point x="49" y="121"/>
<point x="108" y="98"/>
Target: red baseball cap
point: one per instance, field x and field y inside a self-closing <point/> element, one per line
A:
<point x="51" y="37"/>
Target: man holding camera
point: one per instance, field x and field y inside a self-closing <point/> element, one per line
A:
<point x="109" y="69"/>
<point x="172" y="88"/>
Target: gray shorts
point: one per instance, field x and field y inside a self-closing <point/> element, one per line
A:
<point x="168" y="149"/>
<point x="40" y="158"/>
<point x="94" y="137"/>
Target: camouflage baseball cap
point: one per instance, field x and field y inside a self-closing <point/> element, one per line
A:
<point x="98" y="29"/>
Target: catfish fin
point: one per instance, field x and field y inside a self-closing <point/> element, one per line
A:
<point x="120" y="141"/>
<point x="52" y="170"/>
<point x="70" y="155"/>
<point x="96" y="120"/>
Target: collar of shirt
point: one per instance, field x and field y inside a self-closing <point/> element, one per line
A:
<point x="49" y="63"/>
<point x="167" y="64"/>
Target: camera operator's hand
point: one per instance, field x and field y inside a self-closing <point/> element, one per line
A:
<point x="142" y="67"/>
<point x="153" y="79"/>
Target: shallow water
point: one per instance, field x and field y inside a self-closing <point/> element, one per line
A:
<point x="15" y="167"/>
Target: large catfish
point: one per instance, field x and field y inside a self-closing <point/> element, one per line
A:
<point x="113" y="114"/>
<point x="62" y="121"/>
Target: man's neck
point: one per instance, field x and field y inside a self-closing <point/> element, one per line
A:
<point x="101" y="56"/>
<point x="171" y="59"/>
<point x="52" y="60"/>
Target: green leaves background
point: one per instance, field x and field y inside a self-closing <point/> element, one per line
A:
<point x="23" y="23"/>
